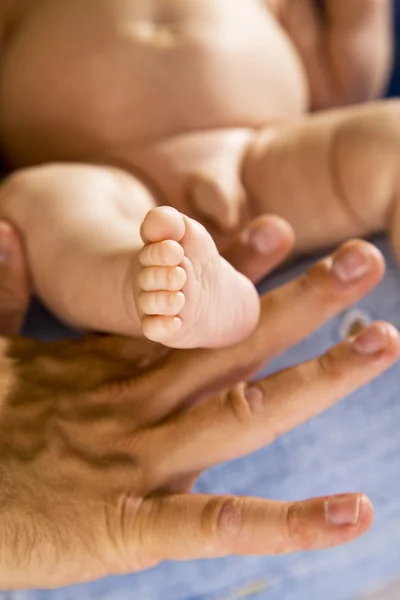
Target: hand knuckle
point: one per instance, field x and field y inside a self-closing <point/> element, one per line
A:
<point x="242" y="405"/>
<point x="222" y="522"/>
<point x="329" y="367"/>
<point x="292" y="521"/>
<point x="299" y="536"/>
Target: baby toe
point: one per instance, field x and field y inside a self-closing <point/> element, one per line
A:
<point x="160" y="329"/>
<point x="161" y="303"/>
<point x="171" y="279"/>
<point x="167" y="253"/>
<point x="162" y="223"/>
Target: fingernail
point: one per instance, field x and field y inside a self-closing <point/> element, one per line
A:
<point x="350" y="264"/>
<point x="372" y="340"/>
<point x="343" y="510"/>
<point x="4" y="242"/>
<point x="265" y="239"/>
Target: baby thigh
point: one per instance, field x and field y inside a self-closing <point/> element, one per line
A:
<point x="80" y="226"/>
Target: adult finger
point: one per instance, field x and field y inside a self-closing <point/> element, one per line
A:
<point x="185" y="527"/>
<point x="262" y="246"/>
<point x="288" y="315"/>
<point x="250" y="416"/>
<point x="14" y="281"/>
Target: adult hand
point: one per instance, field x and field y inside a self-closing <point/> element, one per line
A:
<point x="99" y="447"/>
<point x="15" y="289"/>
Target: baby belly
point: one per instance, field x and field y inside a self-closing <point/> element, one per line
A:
<point x="83" y="79"/>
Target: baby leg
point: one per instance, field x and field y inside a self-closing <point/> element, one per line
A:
<point x="81" y="226"/>
<point x="333" y="176"/>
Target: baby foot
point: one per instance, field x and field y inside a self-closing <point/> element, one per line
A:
<point x="188" y="295"/>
